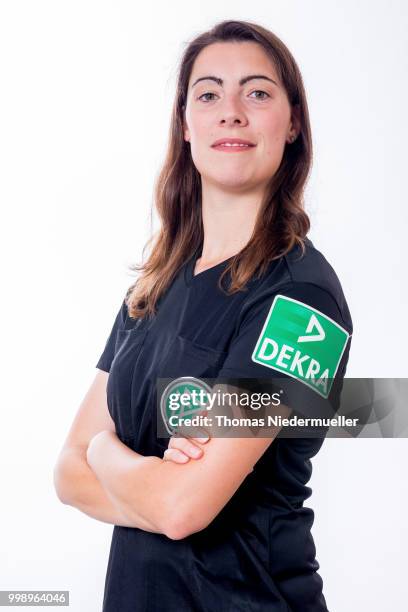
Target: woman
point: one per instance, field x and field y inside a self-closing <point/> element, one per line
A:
<point x="227" y="531"/>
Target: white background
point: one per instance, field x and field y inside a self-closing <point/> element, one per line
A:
<point x="85" y="109"/>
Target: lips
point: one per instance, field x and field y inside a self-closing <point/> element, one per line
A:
<point x="233" y="143"/>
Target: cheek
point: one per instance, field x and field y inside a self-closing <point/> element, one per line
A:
<point x="272" y="140"/>
<point x="271" y="131"/>
<point x="199" y="122"/>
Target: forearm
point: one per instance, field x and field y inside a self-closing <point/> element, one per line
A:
<point x="78" y="486"/>
<point x="132" y="480"/>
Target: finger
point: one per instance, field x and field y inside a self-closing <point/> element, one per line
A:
<point x="189" y="430"/>
<point x="201" y="438"/>
<point x="172" y="454"/>
<point x="186" y="446"/>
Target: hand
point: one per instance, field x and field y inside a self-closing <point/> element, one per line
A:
<point x="181" y="449"/>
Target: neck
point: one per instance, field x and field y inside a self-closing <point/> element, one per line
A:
<point x="228" y="221"/>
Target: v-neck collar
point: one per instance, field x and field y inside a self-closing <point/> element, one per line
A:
<point x="191" y="278"/>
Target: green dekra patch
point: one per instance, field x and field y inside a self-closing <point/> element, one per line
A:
<point x="302" y="342"/>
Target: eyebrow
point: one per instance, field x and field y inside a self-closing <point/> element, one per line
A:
<point x="242" y="81"/>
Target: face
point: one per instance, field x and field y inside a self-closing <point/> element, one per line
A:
<point x="257" y="111"/>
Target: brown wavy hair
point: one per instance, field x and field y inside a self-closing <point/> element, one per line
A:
<point x="281" y="221"/>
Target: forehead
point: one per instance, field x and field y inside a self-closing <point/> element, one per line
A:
<point x="232" y="60"/>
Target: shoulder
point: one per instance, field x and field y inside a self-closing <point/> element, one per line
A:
<point x="312" y="267"/>
<point x="304" y="276"/>
<point x="294" y="321"/>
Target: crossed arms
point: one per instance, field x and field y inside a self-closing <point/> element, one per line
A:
<point x="104" y="478"/>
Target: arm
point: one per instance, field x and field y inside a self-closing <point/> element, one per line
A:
<point x="115" y="464"/>
<point x="77" y="486"/>
<point x="74" y="481"/>
<point x="178" y="499"/>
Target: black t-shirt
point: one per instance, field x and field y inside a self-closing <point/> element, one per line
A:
<point x="258" y="554"/>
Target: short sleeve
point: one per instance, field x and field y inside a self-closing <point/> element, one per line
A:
<point x="292" y="339"/>
<point x="108" y="352"/>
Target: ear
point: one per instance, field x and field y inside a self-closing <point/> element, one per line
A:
<point x="186" y="131"/>
<point x="295" y="125"/>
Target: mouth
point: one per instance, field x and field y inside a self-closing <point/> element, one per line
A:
<point x="232" y="145"/>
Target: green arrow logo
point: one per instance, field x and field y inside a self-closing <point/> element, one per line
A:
<point x="313" y="323"/>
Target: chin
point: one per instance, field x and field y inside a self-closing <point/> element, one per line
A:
<point x="237" y="185"/>
<point x="228" y="180"/>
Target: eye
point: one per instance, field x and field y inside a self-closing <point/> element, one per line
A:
<point x="262" y="92"/>
<point x="206" y="94"/>
<point x="255" y="91"/>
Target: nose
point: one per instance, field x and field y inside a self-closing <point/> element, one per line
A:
<point x="231" y="112"/>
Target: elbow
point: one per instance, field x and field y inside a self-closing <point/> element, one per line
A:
<point x="183" y="522"/>
<point x="176" y="532"/>
<point x="59" y="488"/>
<point x="63" y="482"/>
